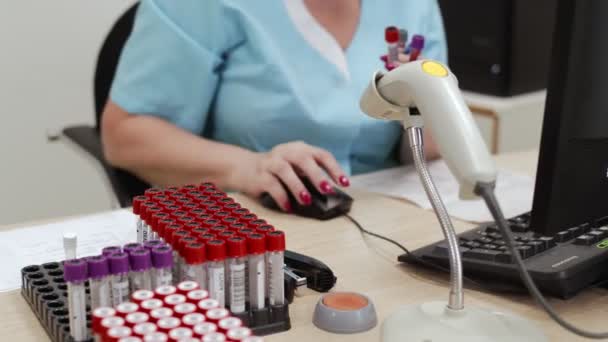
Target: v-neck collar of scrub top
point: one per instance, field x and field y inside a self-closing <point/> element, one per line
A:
<point x="319" y="38"/>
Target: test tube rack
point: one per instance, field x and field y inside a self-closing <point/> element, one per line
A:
<point x="45" y="290"/>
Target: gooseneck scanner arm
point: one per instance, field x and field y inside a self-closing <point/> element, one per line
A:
<point x="433" y="90"/>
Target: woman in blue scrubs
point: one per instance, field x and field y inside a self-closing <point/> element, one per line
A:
<point x="249" y="94"/>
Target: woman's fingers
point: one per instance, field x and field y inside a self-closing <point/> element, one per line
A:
<point x="275" y="189"/>
<point x="285" y="172"/>
<point x="327" y="161"/>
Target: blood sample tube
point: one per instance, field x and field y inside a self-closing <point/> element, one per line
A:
<point x="236" y="265"/>
<point x="175" y="299"/>
<point x="160" y="313"/>
<point x="180" y="334"/>
<point x="144" y="215"/>
<point x="126" y="308"/>
<point x="391" y="35"/>
<point x="131" y="338"/>
<point x="116" y="333"/>
<point x="140" y="296"/>
<point x="144" y="329"/>
<point x="99" y="281"/>
<point x="416" y="47"/>
<point x="162" y="226"/>
<point x="156" y="218"/>
<point x="162" y="263"/>
<point x="183" y="309"/>
<point x="181" y="248"/>
<point x="216" y="270"/>
<point x="107" y="251"/>
<point x="229" y="323"/>
<point x="148" y="305"/>
<point x="164" y="291"/>
<point x="402" y="40"/>
<point x="137" y="202"/>
<point x="238" y="334"/>
<point x="192" y="319"/>
<point x="75" y="274"/>
<point x="203" y="329"/>
<point x="156" y="337"/>
<point x="119" y="268"/>
<point x="195" y="267"/>
<point x="141" y="265"/>
<point x="130" y="247"/>
<point x="166" y="324"/>
<point x="214" y="337"/>
<point x="109" y="323"/>
<point x="256" y="245"/>
<point x="97" y="316"/>
<point x="186" y="286"/>
<point x="136" y="318"/>
<point x="253" y="339"/>
<point x="275" y="250"/>
<point x="177" y="258"/>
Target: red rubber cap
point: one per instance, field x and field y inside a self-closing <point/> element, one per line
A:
<point x="137" y="202"/>
<point x="265" y="229"/>
<point x="151" y="192"/>
<point x="156" y="218"/>
<point x="196" y="211"/>
<point x="143" y="208"/>
<point x="226" y="235"/>
<point x="205" y="238"/>
<point x="391" y="34"/>
<point x="176" y="236"/>
<point x="229" y="220"/>
<point x="275" y="241"/>
<point x="183" y="242"/>
<point x="188" y="187"/>
<point x="216" y="250"/>
<point x="256" y="243"/>
<point x="248" y="218"/>
<point x="169" y="230"/>
<point x="189" y="206"/>
<point x="170" y="209"/>
<point x="245" y="232"/>
<point x="218" y="229"/>
<point x="149" y="212"/>
<point x="203" y="217"/>
<point x="162" y="226"/>
<point x="191" y="226"/>
<point x="222" y="214"/>
<point x="194" y="253"/>
<point x="210" y="223"/>
<point x="236" y="247"/>
<point x="178" y="213"/>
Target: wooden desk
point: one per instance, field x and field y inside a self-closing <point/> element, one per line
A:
<point x="369" y="266"/>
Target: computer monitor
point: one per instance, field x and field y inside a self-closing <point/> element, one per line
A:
<point x="572" y="175"/>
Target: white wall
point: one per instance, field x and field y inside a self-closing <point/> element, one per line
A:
<point x="47" y="57"/>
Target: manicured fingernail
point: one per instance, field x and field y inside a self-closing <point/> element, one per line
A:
<point x="344" y="181"/>
<point x="287" y="207"/>
<point x="305" y="197"/>
<point x="326" y="188"/>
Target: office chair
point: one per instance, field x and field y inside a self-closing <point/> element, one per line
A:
<point x="124" y="184"/>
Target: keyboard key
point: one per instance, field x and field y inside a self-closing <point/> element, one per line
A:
<point x="499" y="243"/>
<point x="525" y="251"/>
<point x="492" y="228"/>
<point x="504" y="257"/>
<point x="503" y="248"/>
<point x="596" y="234"/>
<point x="480" y="253"/>
<point x="585" y="227"/>
<point x="523" y="239"/>
<point x="496" y="236"/>
<point x="473" y="244"/>
<point x="484" y="240"/>
<point x="584" y="240"/>
<point x="489" y="246"/>
<point x="563" y="236"/>
<point x="538" y="246"/>
<point x="442" y="249"/>
<point x="520" y="227"/>
<point x="548" y="241"/>
<point x="575" y="231"/>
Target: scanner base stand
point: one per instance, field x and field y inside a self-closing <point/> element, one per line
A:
<point x="435" y="322"/>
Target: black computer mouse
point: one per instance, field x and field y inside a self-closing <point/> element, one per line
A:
<point x="323" y="206"/>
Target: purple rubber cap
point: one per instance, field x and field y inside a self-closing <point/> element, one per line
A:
<point x="140" y="260"/>
<point x="75" y="270"/>
<point x="162" y="257"/>
<point x="119" y="263"/>
<point x="130" y="247"/>
<point x="417" y="42"/>
<point x="107" y="251"/>
<point x="149" y="245"/>
<point x="98" y="266"/>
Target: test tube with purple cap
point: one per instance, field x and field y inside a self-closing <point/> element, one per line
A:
<point x="99" y="282"/>
<point x="141" y="263"/>
<point x="75" y="274"/>
<point x="119" y="268"/>
<point x="162" y="263"/>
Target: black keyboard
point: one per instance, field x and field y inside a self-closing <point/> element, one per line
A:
<point x="561" y="265"/>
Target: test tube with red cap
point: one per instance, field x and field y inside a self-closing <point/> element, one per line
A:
<point x="156" y="337"/>
<point x="148" y="305"/>
<point x="147" y="210"/>
<point x="141" y="296"/>
<point x="137" y="202"/>
<point x="192" y="319"/>
<point x="256" y="245"/>
<point x="119" y="268"/>
<point x="228" y="323"/>
<point x="162" y="263"/>
<point x="391" y="35"/>
<point x="144" y="329"/>
<point x="98" y="315"/>
<point x="126" y="308"/>
<point x="214" y="337"/>
<point x="177" y="258"/>
<point x="216" y="271"/>
<point x="204" y="328"/>
<point x="141" y="266"/>
<point x="180" y="334"/>
<point x="238" y="334"/>
<point x="117" y="333"/>
<point x="236" y="267"/>
<point x="107" y="324"/>
<point x="99" y="281"/>
<point x="195" y="266"/>
<point x="75" y="274"/>
<point x="136" y="318"/>
<point x="156" y="218"/>
<point x="181" y="248"/>
<point x="275" y="250"/>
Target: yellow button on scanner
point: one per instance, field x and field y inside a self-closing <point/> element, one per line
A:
<point x="434" y="68"/>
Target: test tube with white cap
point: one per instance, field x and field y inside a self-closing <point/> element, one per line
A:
<point x="216" y="270"/>
<point x="204" y="328"/>
<point x="116" y="333"/>
<point x="97" y="316"/>
<point x="119" y="268"/>
<point x="99" y="281"/>
<point x="235" y="269"/>
<point x="214" y="337"/>
<point x="156" y="337"/>
<point x="256" y="245"/>
<point x="69" y="245"/>
<point x="162" y="262"/>
<point x="141" y="265"/>
<point x="75" y="274"/>
<point x="238" y="334"/>
<point x="275" y="247"/>
<point x="143" y="329"/>
<point x="180" y="333"/>
<point x="253" y="339"/>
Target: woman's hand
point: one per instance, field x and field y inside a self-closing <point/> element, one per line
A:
<point x="264" y="172"/>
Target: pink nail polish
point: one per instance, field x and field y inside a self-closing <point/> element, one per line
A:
<point x="344" y="181"/>
<point x="305" y="197"/>
<point x="326" y="188"/>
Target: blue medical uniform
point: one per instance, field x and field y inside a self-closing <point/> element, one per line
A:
<point x="241" y="72"/>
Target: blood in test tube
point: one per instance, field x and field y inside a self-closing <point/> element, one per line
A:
<point x="75" y="274"/>
<point x="141" y="266"/>
<point x="275" y="250"/>
<point x="162" y="266"/>
<point x="119" y="268"/>
<point x="236" y="271"/>
<point x="195" y="266"/>
<point x="216" y="270"/>
<point x="99" y="281"/>
<point x="256" y="246"/>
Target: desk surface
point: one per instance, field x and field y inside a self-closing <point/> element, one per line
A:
<point x="369" y="266"/>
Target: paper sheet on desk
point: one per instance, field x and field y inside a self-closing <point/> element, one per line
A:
<point x="514" y="191"/>
<point x="44" y="243"/>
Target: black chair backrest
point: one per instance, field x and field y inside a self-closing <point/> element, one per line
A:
<point x="107" y="60"/>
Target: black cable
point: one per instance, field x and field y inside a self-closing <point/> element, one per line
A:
<point x="486" y="191"/>
<point x="481" y="286"/>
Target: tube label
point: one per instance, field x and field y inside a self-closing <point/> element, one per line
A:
<point x="77" y="310"/>
<point x="120" y="292"/>
<point x="217" y="290"/>
<point x="237" y="288"/>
